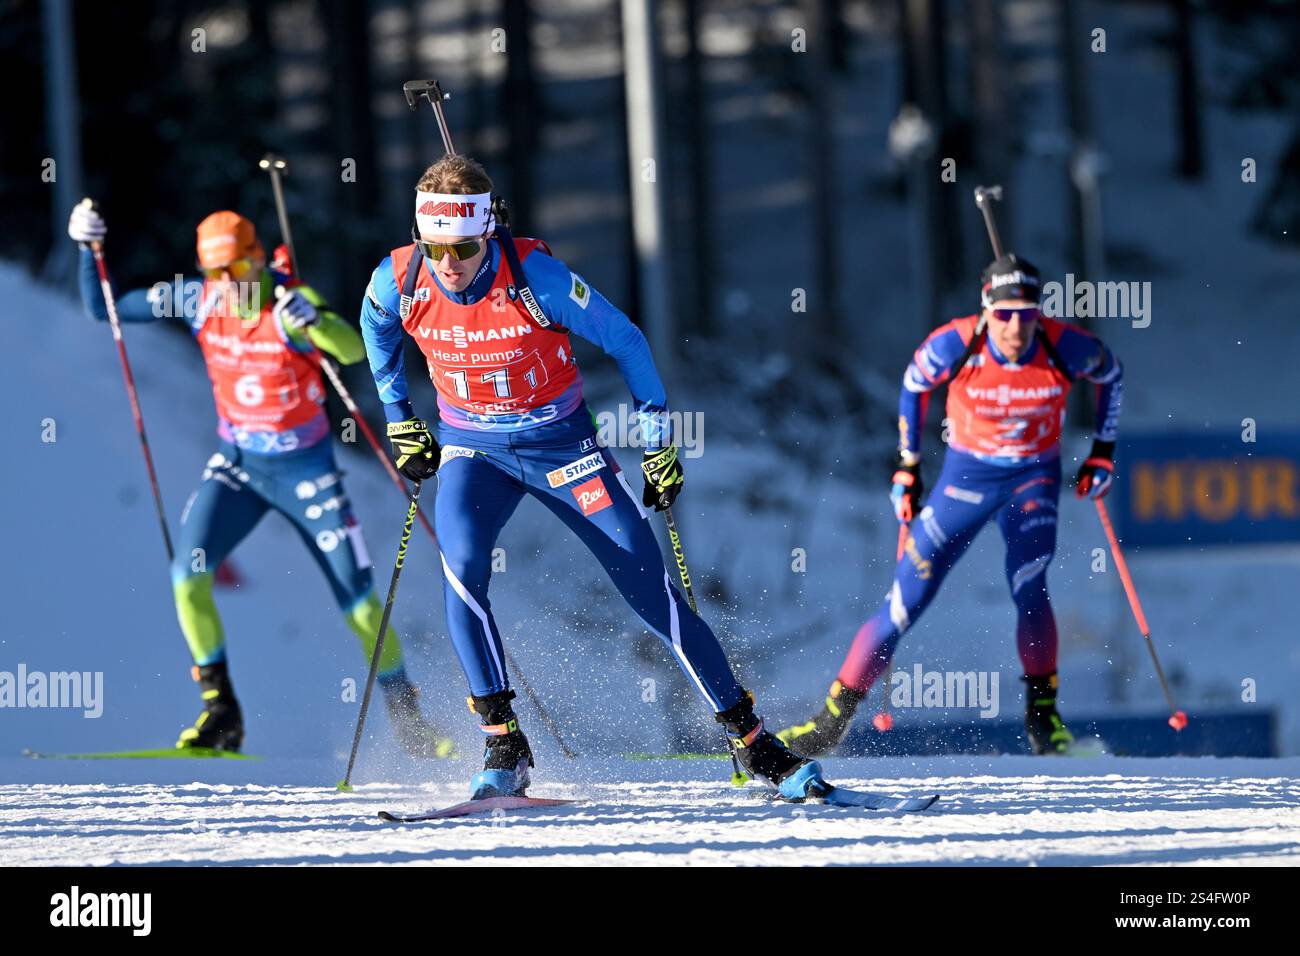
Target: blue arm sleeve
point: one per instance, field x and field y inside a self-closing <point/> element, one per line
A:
<point x="381" y="330"/>
<point x="931" y="366"/>
<point x="569" y="301"/>
<point x="1088" y="357"/>
<point x="134" y="306"/>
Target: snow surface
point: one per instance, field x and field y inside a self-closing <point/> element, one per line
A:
<point x="1013" y="811"/>
<point x="86" y="589"/>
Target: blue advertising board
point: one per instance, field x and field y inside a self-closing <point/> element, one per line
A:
<point x="1198" y="488"/>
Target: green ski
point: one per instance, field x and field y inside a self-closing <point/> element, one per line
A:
<point x="162" y="753"/>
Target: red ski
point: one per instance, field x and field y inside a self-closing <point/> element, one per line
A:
<point x="487" y="805"/>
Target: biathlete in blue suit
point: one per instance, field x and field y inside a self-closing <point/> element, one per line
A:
<point x="492" y="316"/>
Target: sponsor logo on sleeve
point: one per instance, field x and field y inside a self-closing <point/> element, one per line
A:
<point x="575" y="470"/>
<point x="581" y="292"/>
<point x="592" y="496"/>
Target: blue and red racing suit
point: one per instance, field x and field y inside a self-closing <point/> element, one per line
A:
<point x="512" y="423"/>
<point x="1003" y="462"/>
<point x="274" y="452"/>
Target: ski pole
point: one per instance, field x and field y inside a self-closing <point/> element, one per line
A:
<point x="1177" y="718"/>
<point x="275" y="166"/>
<point x="346" y="783"/>
<point x="537" y="703"/>
<point x="884" y="720"/>
<point x="336" y="380"/>
<point x="738" y="776"/>
<point x="110" y="303"/>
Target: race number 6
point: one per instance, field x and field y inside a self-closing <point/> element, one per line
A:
<point x="249" y="391"/>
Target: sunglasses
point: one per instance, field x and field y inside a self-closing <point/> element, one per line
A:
<point x="460" y="251"/>
<point x="236" y="269"/>
<point x="1027" y="313"/>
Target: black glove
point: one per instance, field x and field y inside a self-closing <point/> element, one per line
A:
<point x="663" y="478"/>
<point x="1097" y="471"/>
<point x="414" y="450"/>
<point x="907" y="491"/>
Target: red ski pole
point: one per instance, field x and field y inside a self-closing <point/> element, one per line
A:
<point x="97" y="248"/>
<point x="884" y="720"/>
<point x="1177" y="718"/>
<point x="275" y="166"/>
<point x="384" y="459"/>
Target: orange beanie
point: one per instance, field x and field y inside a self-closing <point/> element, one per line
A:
<point x="226" y="236"/>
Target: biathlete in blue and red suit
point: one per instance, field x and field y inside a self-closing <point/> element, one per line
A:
<point x="1008" y="371"/>
<point x="274" y="453"/>
<point x="493" y="316"/>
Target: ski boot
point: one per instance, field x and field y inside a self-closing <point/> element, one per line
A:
<point x="761" y="755"/>
<point x="221" y="725"/>
<point x="829" y="728"/>
<point x="1043" y="725"/>
<point x="506" y="754"/>
<point x="415" y="734"/>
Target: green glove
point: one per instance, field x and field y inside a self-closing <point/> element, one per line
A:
<point x="414" y="449"/>
<point x="663" y="478"/>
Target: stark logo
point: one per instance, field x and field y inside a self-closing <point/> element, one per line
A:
<point x="592" y="496"/>
<point x="575" y="470"/>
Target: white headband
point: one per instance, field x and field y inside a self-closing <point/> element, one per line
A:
<point x="453" y="215"/>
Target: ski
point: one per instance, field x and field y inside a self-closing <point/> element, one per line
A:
<point x="844" y="797"/>
<point x="162" y="753"/>
<point x="848" y="797"/>
<point x="469" y="807"/>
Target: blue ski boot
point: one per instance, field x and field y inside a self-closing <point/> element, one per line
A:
<point x="506" y="754"/>
<point x="761" y="755"/>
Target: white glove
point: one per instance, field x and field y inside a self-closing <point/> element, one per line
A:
<point x="294" y="312"/>
<point x="86" y="224"/>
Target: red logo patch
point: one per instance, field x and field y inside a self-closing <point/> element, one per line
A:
<point x="592" y="496"/>
<point x="463" y="210"/>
